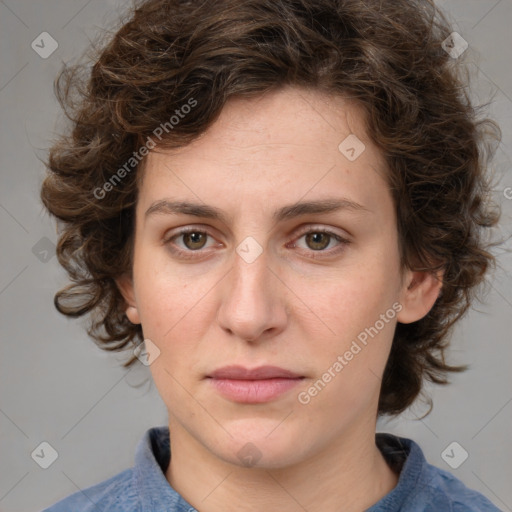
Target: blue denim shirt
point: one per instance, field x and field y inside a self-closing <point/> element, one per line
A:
<point x="144" y="488"/>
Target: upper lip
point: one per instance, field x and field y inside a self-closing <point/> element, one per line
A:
<point x="262" y="372"/>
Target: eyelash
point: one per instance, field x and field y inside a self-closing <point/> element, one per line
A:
<point x="189" y="254"/>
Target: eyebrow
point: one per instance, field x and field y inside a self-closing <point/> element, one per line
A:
<point x="292" y="211"/>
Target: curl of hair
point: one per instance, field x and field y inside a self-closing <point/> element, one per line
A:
<point x="387" y="56"/>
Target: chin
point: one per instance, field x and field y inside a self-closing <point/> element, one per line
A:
<point x="264" y="444"/>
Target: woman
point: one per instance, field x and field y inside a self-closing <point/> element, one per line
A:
<point x="278" y="207"/>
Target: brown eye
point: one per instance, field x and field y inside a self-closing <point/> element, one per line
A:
<point x="194" y="240"/>
<point x="190" y="243"/>
<point x="317" y="241"/>
<point x="320" y="243"/>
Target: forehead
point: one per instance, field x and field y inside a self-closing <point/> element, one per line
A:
<point x="284" y="144"/>
<point x="291" y="116"/>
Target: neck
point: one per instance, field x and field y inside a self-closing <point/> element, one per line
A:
<point x="351" y="472"/>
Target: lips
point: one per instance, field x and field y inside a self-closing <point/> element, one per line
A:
<point x="258" y="385"/>
<point x="263" y="372"/>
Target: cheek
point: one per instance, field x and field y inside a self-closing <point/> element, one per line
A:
<point x="167" y="301"/>
<point x="350" y="363"/>
<point x="355" y="299"/>
<point x="351" y="306"/>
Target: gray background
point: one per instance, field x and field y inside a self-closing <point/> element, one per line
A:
<point x="56" y="386"/>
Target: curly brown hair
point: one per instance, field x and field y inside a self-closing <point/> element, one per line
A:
<point x="387" y="56"/>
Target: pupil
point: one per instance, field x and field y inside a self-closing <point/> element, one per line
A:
<point x="316" y="239"/>
<point x="195" y="238"/>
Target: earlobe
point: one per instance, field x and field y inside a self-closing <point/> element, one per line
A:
<point x="132" y="314"/>
<point x="125" y="285"/>
<point x="419" y="294"/>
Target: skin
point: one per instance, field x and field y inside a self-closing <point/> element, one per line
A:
<point x="286" y="308"/>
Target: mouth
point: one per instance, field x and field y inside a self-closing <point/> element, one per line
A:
<point x="254" y="386"/>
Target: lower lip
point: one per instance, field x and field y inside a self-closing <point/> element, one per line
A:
<point x="254" y="391"/>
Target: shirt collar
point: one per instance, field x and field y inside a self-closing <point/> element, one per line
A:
<point x="155" y="493"/>
<point x="399" y="451"/>
<point x="151" y="460"/>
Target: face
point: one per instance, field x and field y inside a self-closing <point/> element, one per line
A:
<point x="290" y="259"/>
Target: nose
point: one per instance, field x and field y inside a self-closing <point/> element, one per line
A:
<point x="252" y="306"/>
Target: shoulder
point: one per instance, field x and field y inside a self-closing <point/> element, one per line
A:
<point x="142" y="487"/>
<point x="423" y="487"/>
<point x="449" y="493"/>
<point x="117" y="494"/>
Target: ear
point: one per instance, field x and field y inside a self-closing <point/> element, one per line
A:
<point x="125" y="285"/>
<point x="419" y="293"/>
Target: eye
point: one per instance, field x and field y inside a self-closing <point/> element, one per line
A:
<point x="193" y="240"/>
<point x="319" y="239"/>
